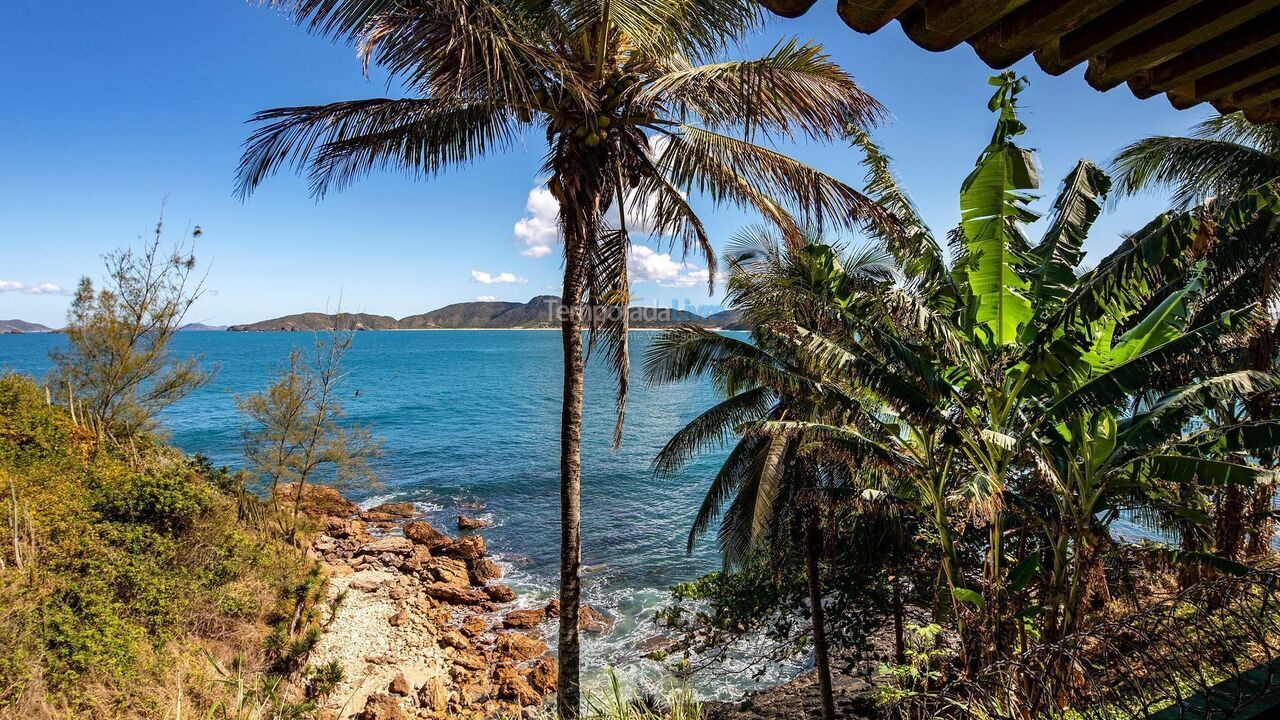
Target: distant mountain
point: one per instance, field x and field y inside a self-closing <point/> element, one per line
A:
<point x="540" y="312"/>
<point x="200" y="327"/>
<point x="320" y="321"/>
<point x="22" y="326"/>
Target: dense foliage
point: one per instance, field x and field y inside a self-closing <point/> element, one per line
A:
<point x="1009" y="403"/>
<point x="128" y="586"/>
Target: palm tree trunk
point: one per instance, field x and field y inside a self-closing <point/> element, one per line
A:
<point x="568" y="693"/>
<point x="813" y="542"/>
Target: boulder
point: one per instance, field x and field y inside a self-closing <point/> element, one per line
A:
<point x="417" y="560"/>
<point x="377" y="518"/>
<point x="317" y="501"/>
<point x="455" y="640"/>
<point x="591" y="620"/>
<point x="475" y="687"/>
<point x="470" y="661"/>
<point x="519" y="647"/>
<point x="399" y="510"/>
<point x="346" y="529"/>
<point x="500" y="593"/>
<point x="471" y="547"/>
<point x="391" y="544"/>
<point x="466" y="522"/>
<point x="433" y="696"/>
<point x="483" y="570"/>
<point x="450" y="571"/>
<point x="365" y="584"/>
<point x="382" y="707"/>
<point x="542" y="676"/>
<point x="401" y="617"/>
<point x="423" y="534"/>
<point x="512" y="686"/>
<point x="399" y="686"/>
<point x="453" y="594"/>
<point x="524" y="619"/>
<point x="474" y="625"/>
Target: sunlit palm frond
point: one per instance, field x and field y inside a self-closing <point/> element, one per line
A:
<point x="683" y="353"/>
<point x="794" y="90"/>
<point x="1195" y="169"/>
<point x="731" y="170"/>
<point x="711" y="429"/>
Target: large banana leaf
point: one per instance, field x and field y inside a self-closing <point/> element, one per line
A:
<point x="995" y="261"/>
<point x="1059" y="252"/>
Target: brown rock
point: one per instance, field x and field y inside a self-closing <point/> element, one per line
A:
<point x="524" y="619"/>
<point x="542" y="676"/>
<point x="392" y="544"/>
<point x="344" y="529"/>
<point x="364" y="584"/>
<point x="471" y="547"/>
<point x="401" y="617"/>
<point x="401" y="510"/>
<point x="318" y="501"/>
<point x="453" y="594"/>
<point x="474" y="625"/>
<point x="423" y="534"/>
<point x="417" y="559"/>
<point x="591" y="620"/>
<point x="455" y="640"/>
<point x="433" y="696"/>
<point x="483" y="570"/>
<point x="382" y="707"/>
<point x="500" y="593"/>
<point x="377" y="518"/>
<point x="512" y="686"/>
<point x="470" y="661"/>
<point x="450" y="571"/>
<point x="466" y="522"/>
<point x="475" y="688"/>
<point x="399" y="686"/>
<point x="520" y="647"/>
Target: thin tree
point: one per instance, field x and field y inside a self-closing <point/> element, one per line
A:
<point x="633" y="126"/>
<point x="118" y="369"/>
<point x="296" y="434"/>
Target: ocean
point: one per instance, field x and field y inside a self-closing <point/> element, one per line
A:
<point x="472" y="416"/>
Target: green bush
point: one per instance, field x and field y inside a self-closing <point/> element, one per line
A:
<point x="167" y="501"/>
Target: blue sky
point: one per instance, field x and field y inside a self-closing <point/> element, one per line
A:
<point x="111" y="107"/>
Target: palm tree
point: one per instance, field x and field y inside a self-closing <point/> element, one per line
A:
<point x="633" y="125"/>
<point x="1224" y="157"/>
<point x="770" y="492"/>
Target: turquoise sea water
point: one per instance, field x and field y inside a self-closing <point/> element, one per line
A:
<point x="473" y="415"/>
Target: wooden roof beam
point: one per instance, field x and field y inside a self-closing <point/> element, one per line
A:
<point x="943" y="24"/>
<point x="1256" y="94"/>
<point x="1106" y="31"/>
<point x="1264" y="113"/>
<point x="1031" y="26"/>
<point x="1263" y="33"/>
<point x="1179" y="33"/>
<point x="788" y="8"/>
<point x="868" y="16"/>
<point x="1218" y="85"/>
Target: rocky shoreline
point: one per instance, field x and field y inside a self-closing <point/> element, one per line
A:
<point x="421" y="625"/>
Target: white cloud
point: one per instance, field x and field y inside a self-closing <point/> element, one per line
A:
<point x="504" y="278"/>
<point x="486" y="298"/>
<point x="540" y="228"/>
<point x="644" y="264"/>
<point x="46" y="288"/>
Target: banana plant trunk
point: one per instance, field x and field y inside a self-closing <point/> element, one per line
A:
<point x="812" y="545"/>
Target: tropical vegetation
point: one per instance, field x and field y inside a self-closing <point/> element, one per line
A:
<point x="637" y="108"/>
<point x="1000" y="414"/>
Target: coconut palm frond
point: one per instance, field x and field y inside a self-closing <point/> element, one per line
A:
<point x="731" y="170"/>
<point x="339" y="142"/>
<point x="711" y="429"/>
<point x="795" y="90"/>
<point x="1195" y="169"/>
